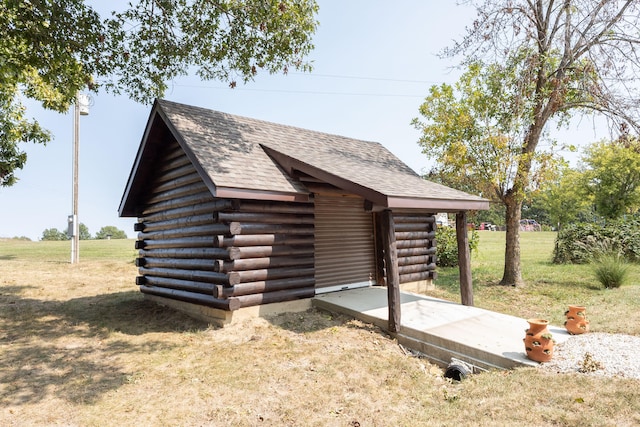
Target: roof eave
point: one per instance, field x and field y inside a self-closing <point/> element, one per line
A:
<point x="438" y="205"/>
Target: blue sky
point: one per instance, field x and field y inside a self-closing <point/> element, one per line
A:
<point x="373" y="64"/>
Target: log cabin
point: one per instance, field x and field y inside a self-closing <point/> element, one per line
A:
<point x="235" y="212"/>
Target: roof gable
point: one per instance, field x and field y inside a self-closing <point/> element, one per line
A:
<point x="224" y="148"/>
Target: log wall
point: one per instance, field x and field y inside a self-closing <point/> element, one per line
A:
<point x="416" y="245"/>
<point x="223" y="253"/>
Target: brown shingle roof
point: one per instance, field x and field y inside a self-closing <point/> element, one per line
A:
<point x="240" y="153"/>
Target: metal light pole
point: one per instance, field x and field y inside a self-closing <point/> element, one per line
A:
<point x="81" y="108"/>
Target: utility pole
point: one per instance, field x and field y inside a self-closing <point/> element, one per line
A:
<point x="81" y="108"/>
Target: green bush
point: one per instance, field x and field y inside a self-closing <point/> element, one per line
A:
<point x="110" y="232"/>
<point x="581" y="243"/>
<point x="611" y="270"/>
<point x="54" y="234"/>
<point x="447" y="246"/>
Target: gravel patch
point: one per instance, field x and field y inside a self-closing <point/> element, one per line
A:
<point x="598" y="354"/>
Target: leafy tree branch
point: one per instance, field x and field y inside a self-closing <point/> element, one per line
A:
<point x="49" y="50"/>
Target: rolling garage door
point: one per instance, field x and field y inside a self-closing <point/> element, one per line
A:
<point x="344" y="243"/>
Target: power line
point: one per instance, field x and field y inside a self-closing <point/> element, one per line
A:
<point x="305" y="92"/>
<point x="382" y="79"/>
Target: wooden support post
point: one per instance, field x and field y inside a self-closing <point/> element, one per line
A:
<point x="391" y="264"/>
<point x="464" y="259"/>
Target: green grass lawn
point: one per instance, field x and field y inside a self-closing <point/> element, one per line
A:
<point x="80" y="346"/>
<point x="50" y="251"/>
<point x="549" y="288"/>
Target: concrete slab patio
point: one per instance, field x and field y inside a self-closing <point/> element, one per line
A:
<point x="441" y="329"/>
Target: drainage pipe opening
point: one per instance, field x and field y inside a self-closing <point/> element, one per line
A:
<point x="457" y="370"/>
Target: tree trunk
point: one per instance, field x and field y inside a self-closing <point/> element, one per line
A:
<point x="512" y="275"/>
<point x="464" y="259"/>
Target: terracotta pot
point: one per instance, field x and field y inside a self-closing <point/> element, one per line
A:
<point x="538" y="342"/>
<point x="576" y="322"/>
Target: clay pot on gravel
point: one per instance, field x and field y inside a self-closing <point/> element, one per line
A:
<point x="576" y="322"/>
<point x="538" y="342"/>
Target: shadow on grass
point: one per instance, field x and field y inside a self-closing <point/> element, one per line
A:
<point x="68" y="349"/>
<point x="13" y="290"/>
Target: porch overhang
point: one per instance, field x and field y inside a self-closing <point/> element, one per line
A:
<point x="377" y="199"/>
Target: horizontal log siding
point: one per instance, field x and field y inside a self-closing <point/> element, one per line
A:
<point x="262" y="287"/>
<point x="271" y="251"/>
<point x="177" y="235"/>
<point x="416" y="242"/>
<point x="184" y="190"/>
<point x="222" y="253"/>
